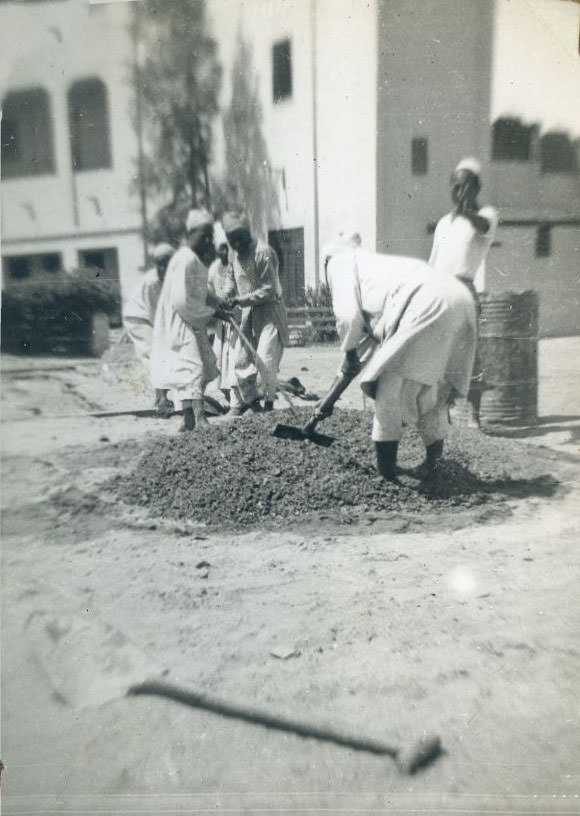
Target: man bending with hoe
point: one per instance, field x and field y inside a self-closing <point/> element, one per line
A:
<point x="415" y="328"/>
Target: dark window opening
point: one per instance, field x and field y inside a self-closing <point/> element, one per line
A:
<point x="543" y="241"/>
<point x="282" y="70"/>
<point x="26" y="266"/>
<point x="103" y="265"/>
<point x="27" y="143"/>
<point x="19" y="268"/>
<point x="419" y="156"/>
<point x="289" y="247"/>
<point x="89" y="125"/>
<point x="558" y="153"/>
<point x="512" y="140"/>
<point x="51" y="263"/>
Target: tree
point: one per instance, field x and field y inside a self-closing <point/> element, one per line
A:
<point x="177" y="78"/>
<point x="249" y="183"/>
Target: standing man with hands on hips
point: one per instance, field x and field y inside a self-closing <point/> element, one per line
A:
<point x="461" y="243"/>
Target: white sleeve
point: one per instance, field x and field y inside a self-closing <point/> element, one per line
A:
<point x="190" y="293"/>
<point x="492" y="216"/>
<point x="350" y="323"/>
<point x="435" y="248"/>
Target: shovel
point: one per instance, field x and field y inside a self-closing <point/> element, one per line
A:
<point x="257" y="361"/>
<point x="323" y="410"/>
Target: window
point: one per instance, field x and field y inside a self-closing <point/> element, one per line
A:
<point x="419" y="156"/>
<point x="512" y="140"/>
<point x="26" y="266"/>
<point x="103" y="265"/>
<point x="27" y="145"/>
<point x="557" y="153"/>
<point x="19" y="268"/>
<point x="289" y="247"/>
<point x="543" y="241"/>
<point x="89" y="125"/>
<point x="282" y="70"/>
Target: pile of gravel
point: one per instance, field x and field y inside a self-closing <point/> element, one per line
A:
<point x="240" y="474"/>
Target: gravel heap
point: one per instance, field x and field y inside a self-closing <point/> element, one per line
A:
<point x="239" y="474"/>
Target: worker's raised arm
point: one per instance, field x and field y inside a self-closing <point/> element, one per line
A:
<point x="484" y="221"/>
<point x="435" y="248"/>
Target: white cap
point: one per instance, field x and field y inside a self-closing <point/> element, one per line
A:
<point x="473" y="165"/>
<point x="198" y="218"/>
<point x="346" y="241"/>
<point x="162" y="251"/>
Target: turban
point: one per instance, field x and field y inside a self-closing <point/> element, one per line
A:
<point x="198" y="218"/>
<point x="470" y="164"/>
<point x="162" y="251"/>
<point x="351" y="238"/>
<point x="346" y="241"/>
<point x="236" y="221"/>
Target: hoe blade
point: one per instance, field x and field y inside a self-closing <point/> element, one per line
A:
<point x="297" y="435"/>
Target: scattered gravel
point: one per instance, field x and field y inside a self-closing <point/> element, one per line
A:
<point x="239" y="474"/>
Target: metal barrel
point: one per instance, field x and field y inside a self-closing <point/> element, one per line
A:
<point x="508" y="351"/>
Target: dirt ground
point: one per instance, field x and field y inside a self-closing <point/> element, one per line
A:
<point x="471" y="632"/>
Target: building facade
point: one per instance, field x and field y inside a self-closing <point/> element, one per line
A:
<point x="354" y="115"/>
<point x="68" y="145"/>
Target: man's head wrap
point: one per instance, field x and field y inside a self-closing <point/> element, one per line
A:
<point x="197" y="219"/>
<point x="346" y="241"/>
<point x="233" y="221"/>
<point x="162" y="251"/>
<point x="470" y="164"/>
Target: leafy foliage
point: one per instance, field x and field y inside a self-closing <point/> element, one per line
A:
<point x="318" y="297"/>
<point x="178" y="83"/>
<point x="249" y="183"/>
<point x="53" y="315"/>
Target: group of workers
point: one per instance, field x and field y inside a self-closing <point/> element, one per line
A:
<point x="410" y="326"/>
<point x="196" y="317"/>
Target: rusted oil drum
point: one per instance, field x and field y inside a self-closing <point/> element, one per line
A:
<point x="508" y="350"/>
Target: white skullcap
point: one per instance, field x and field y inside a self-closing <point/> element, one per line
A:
<point x="346" y="241"/>
<point x="351" y="238"/>
<point x="198" y="218"/>
<point x="162" y="251"/>
<point x="470" y="164"/>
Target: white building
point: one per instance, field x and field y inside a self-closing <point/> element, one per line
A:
<point x="68" y="146"/>
<point x="362" y="109"/>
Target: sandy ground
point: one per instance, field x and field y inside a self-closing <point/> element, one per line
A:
<point x="471" y="633"/>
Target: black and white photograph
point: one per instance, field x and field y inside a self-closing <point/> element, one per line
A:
<point x="290" y="405"/>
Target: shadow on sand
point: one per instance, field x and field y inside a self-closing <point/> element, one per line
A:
<point x="453" y="480"/>
<point x="553" y="423"/>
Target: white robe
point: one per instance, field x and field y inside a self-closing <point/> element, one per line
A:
<point x="460" y="250"/>
<point x="181" y="356"/>
<point x="264" y="321"/>
<point x="222" y="285"/>
<point x="139" y="314"/>
<point x="423" y="321"/>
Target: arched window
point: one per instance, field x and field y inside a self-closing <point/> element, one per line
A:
<point x="27" y="144"/>
<point x="89" y="125"/>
